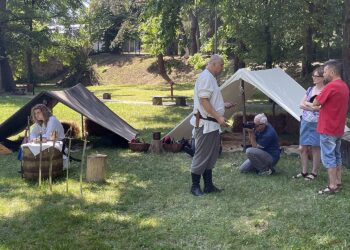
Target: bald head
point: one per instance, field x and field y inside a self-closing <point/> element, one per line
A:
<point x="215" y="64"/>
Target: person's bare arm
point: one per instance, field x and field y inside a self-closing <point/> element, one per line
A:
<point x="252" y="137"/>
<point x="316" y="104"/>
<point x="212" y="112"/>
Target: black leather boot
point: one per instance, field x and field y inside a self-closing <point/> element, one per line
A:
<point x="209" y="187"/>
<point x="196" y="189"/>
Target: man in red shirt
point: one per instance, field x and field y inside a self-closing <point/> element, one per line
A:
<point x="333" y="100"/>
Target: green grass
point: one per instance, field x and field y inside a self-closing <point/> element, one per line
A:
<point x="146" y="204"/>
<point x="142" y="92"/>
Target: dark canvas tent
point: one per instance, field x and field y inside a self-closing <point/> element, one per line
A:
<point x="77" y="98"/>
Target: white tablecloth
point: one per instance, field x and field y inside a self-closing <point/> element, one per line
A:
<point x="35" y="147"/>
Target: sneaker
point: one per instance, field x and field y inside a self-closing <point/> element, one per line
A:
<point x="265" y="172"/>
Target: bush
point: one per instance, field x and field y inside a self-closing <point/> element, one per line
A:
<point x="197" y="61"/>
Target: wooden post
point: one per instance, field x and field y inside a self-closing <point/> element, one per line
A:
<point x="68" y="163"/>
<point x="82" y="165"/>
<point x="244" y="114"/>
<point x="40" y="155"/>
<point x="96" y="168"/>
<point x="50" y="162"/>
<point x="82" y="127"/>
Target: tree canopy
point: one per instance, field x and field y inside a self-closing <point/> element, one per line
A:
<point x="258" y="33"/>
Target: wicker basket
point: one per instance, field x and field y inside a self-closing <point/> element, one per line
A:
<point x="139" y="147"/>
<point x="175" y="147"/>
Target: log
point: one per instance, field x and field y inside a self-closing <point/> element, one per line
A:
<point x="96" y="168"/>
<point x="156" y="147"/>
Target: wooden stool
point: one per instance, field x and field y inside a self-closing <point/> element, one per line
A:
<point x="96" y="168"/>
<point x="107" y="96"/>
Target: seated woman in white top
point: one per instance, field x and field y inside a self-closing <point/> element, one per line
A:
<point x="44" y="123"/>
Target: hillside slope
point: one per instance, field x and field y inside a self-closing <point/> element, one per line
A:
<point x="139" y="69"/>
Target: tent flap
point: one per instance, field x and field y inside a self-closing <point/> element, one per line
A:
<point x="78" y="98"/>
<point x="274" y="83"/>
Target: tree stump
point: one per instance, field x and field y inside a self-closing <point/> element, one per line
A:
<point x="157" y="100"/>
<point x="96" y="168"/>
<point x="107" y="96"/>
<point x="156" y="147"/>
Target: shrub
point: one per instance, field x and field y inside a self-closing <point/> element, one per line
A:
<point x="198" y="61"/>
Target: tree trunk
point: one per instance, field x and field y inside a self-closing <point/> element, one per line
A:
<point x="194" y="32"/>
<point x="268" y="39"/>
<point x="346" y="43"/>
<point x="29" y="52"/>
<point x="162" y="70"/>
<point x="29" y="56"/>
<point x="307" y="52"/>
<point x="6" y="77"/>
<point x="308" y="46"/>
<point x="198" y="36"/>
<point x="183" y="44"/>
<point x="238" y="63"/>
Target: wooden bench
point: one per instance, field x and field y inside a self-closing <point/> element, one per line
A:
<point x="20" y="90"/>
<point x="179" y="100"/>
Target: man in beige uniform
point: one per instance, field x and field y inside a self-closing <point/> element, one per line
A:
<point x="208" y="110"/>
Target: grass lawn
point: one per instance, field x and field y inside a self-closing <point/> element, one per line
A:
<point x="146" y="204"/>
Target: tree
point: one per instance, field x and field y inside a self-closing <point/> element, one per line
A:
<point x="6" y="77"/>
<point x="114" y="21"/>
<point x="160" y="24"/>
<point x="28" y="29"/>
<point x="195" y="33"/>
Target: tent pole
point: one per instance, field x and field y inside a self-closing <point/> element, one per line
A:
<point x="244" y="114"/>
<point x="82" y="126"/>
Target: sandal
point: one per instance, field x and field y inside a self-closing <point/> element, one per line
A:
<point x="310" y="177"/>
<point x="300" y="175"/>
<point x="328" y="190"/>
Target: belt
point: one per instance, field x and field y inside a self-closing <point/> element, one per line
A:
<point x="208" y="118"/>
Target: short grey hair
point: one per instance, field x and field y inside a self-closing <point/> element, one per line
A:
<point x="336" y="66"/>
<point x="261" y="118"/>
<point x="215" y="58"/>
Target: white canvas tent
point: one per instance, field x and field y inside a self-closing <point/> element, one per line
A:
<point x="274" y="83"/>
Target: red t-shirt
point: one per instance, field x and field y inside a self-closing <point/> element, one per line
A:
<point x="334" y="99"/>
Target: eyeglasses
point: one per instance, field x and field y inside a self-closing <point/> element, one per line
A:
<point x="258" y="125"/>
<point x="316" y="76"/>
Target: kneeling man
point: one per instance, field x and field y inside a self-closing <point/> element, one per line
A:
<point x="265" y="151"/>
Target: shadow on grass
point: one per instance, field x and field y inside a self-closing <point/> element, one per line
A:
<point x="93" y="221"/>
<point x="146" y="204"/>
